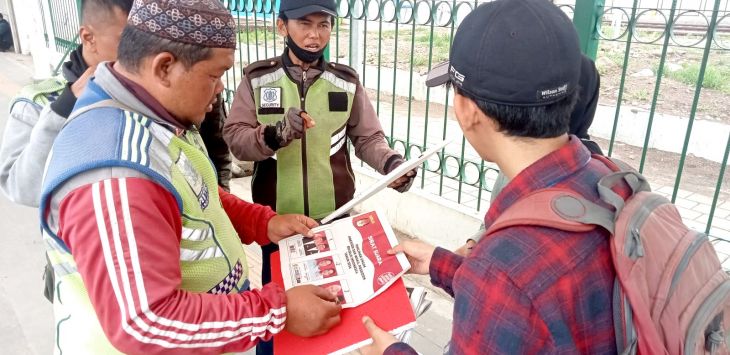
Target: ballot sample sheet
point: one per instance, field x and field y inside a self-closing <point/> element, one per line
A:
<point x="348" y="257"/>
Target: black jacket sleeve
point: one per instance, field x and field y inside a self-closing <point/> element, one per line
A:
<point x="211" y="130"/>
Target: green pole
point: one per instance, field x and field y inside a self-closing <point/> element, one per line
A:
<point x="337" y="28"/>
<point x="586" y="16"/>
<point x="68" y="50"/>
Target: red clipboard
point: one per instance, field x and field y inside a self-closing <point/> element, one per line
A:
<point x="391" y="310"/>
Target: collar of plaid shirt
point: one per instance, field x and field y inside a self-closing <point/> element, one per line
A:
<point x="544" y="173"/>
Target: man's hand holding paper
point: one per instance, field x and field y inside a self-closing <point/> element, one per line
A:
<point x="404" y="182"/>
<point x="282" y="226"/>
<point x="418" y="253"/>
<point x="311" y="310"/>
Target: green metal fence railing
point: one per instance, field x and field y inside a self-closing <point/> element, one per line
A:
<point x="391" y="43"/>
<point x="665" y="67"/>
<point x="65" y="19"/>
<point x="699" y="34"/>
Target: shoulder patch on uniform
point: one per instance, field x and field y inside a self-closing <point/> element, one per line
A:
<point x="343" y="71"/>
<point x="262" y="64"/>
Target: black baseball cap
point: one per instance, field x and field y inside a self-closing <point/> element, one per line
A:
<point x="295" y="9"/>
<point x="513" y="52"/>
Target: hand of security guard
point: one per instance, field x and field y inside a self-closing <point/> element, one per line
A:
<point x="403" y="183"/>
<point x="290" y="127"/>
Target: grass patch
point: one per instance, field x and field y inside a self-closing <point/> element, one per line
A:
<point x="640" y="95"/>
<point x="419" y="61"/>
<point x="716" y="77"/>
<point x="441" y="47"/>
<point x="257" y="36"/>
<point x="615" y="57"/>
<point x="422" y="38"/>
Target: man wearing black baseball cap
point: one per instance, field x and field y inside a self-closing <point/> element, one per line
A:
<point x="515" y="67"/>
<point x="293" y="115"/>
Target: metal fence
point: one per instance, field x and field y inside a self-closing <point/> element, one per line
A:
<point x="665" y="69"/>
<point x="393" y="43"/>
<point x="687" y="45"/>
<point x="65" y="17"/>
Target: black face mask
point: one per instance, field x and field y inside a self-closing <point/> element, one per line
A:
<point x="303" y="54"/>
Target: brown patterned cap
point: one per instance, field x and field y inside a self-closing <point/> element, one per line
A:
<point x="206" y="23"/>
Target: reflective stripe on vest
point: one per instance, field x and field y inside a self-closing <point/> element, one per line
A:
<point x="196" y="235"/>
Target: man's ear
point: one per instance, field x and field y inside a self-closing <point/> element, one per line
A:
<point x="468" y="112"/>
<point x="86" y="35"/>
<point x="281" y="27"/>
<point x="162" y="66"/>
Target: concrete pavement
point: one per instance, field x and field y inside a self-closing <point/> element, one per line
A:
<point x="26" y="319"/>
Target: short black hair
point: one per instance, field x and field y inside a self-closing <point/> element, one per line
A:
<point x="90" y="8"/>
<point x="547" y="121"/>
<point x="136" y="45"/>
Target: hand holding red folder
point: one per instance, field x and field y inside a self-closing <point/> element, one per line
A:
<point x="391" y="310"/>
<point x="381" y="339"/>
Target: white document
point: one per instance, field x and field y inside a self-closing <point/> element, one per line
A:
<point x="385" y="181"/>
<point x="347" y="257"/>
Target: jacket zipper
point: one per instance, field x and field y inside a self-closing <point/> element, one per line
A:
<point x="304" y="146"/>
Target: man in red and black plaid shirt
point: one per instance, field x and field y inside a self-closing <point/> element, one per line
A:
<point x="515" y="66"/>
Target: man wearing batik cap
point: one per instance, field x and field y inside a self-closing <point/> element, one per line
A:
<point x="147" y="248"/>
<point x="524" y="289"/>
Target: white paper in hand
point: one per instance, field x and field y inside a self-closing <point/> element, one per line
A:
<point x="385" y="181"/>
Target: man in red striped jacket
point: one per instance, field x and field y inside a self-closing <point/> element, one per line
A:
<point x="145" y="246"/>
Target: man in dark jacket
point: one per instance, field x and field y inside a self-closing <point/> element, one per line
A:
<point x="6" y="35"/>
<point x="211" y="130"/>
<point x="293" y="116"/>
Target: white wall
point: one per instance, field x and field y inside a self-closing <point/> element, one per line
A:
<point x="29" y="24"/>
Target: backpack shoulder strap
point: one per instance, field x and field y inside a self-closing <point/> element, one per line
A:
<point x="564" y="209"/>
<point x="622" y="172"/>
<point x="557" y="208"/>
